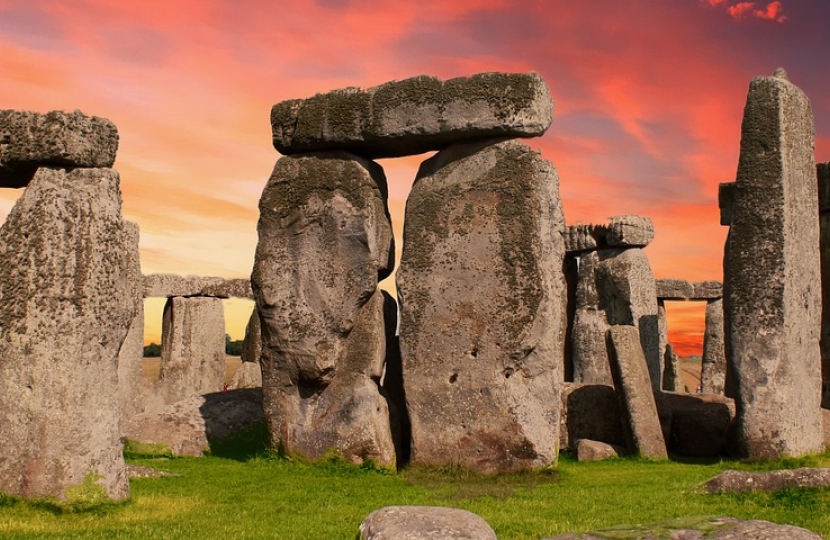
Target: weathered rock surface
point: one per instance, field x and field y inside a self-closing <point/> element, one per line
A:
<point x="589" y="353"/>
<point x="696" y="528"/>
<point x="582" y="237"/>
<point x="629" y="231"/>
<point x="483" y="308"/>
<point x="707" y="290"/>
<point x="188" y="426"/>
<point x="742" y="481"/>
<point x="252" y="343"/>
<point x="641" y="424"/>
<point x="170" y="285"/>
<point x="247" y="375"/>
<point x="680" y="289"/>
<point x="65" y="307"/>
<point x="590" y="411"/>
<point x="131" y="354"/>
<point x="713" y="369"/>
<point x="192" y="351"/>
<point x="57" y="139"/>
<point x="588" y="450"/>
<point x="415" y="115"/>
<point x="671" y="371"/>
<point x="325" y="240"/>
<point x="823" y="174"/>
<point x="774" y="296"/>
<point x="699" y="424"/>
<point x="424" y="522"/>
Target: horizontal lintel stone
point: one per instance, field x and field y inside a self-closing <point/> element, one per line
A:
<point x="170" y="285"/>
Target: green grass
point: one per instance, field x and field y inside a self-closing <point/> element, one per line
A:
<point x="242" y="492"/>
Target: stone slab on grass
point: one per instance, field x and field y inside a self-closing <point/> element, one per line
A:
<point x="424" y="523"/>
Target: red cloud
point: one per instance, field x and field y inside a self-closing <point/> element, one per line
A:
<point x="773" y="11"/>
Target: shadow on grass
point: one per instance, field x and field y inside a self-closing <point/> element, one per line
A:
<point x="456" y="483"/>
<point x="243" y="445"/>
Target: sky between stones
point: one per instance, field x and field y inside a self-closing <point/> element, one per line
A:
<point x="648" y="103"/>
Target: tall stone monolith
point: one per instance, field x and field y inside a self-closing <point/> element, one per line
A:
<point x="713" y="369"/>
<point x="325" y="240"/>
<point x="823" y="174"/>
<point x="131" y="353"/>
<point x="66" y="303"/>
<point x="589" y="352"/>
<point x="483" y="307"/>
<point x="773" y="297"/>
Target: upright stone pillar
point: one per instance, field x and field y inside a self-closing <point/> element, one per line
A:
<point x="325" y="240"/>
<point x="131" y="354"/>
<point x="66" y="303"/>
<point x="671" y="371"/>
<point x="713" y="370"/>
<point x="588" y="348"/>
<point x="483" y="307"/>
<point x="773" y="293"/>
<point x="192" y="348"/>
<point x="823" y="173"/>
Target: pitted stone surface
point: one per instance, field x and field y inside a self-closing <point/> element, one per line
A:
<point x="742" y="481"/>
<point x="325" y="239"/>
<point x="483" y="300"/>
<point x="247" y="375"/>
<point x="674" y="289"/>
<point x="57" y="139"/>
<point x="713" y="369"/>
<point x="773" y="306"/>
<point x="170" y="285"/>
<point x="424" y="523"/>
<point x="65" y="307"/>
<point x="582" y="237"/>
<point x="252" y="344"/>
<point x="671" y="370"/>
<point x="723" y="528"/>
<point x="629" y="231"/>
<point x="131" y="354"/>
<point x="631" y="379"/>
<point x="590" y="324"/>
<point x="414" y="115"/>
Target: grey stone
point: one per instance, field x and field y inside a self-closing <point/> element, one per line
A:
<point x="726" y="200"/>
<point x="774" y="296"/>
<point x="823" y="177"/>
<point x="590" y="411"/>
<point x="707" y="290"/>
<point x="589" y="353"/>
<point x="483" y="308"/>
<point x="743" y="481"/>
<point x="671" y="371"/>
<point x="588" y="450"/>
<point x="325" y="239"/>
<point x="627" y="294"/>
<point x="674" y="289"/>
<point x="247" y="375"/>
<point x="414" y="115"/>
<point x="252" y="343"/>
<point x="629" y="231"/>
<point x="187" y="427"/>
<point x="699" y="424"/>
<point x="713" y="369"/>
<point x="582" y="237"/>
<point x="424" y="523"/>
<point x="57" y="139"/>
<point x="65" y="307"/>
<point x="693" y="528"/>
<point x="631" y="379"/>
<point x="131" y="354"/>
<point x="170" y="285"/>
<point x="192" y="350"/>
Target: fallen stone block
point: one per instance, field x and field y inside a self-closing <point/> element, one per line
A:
<point x="588" y="450"/>
<point x="743" y="481"/>
<point x="415" y="115"/>
<point x="424" y="523"/>
<point x="693" y="528"/>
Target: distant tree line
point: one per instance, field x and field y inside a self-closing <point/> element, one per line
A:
<point x="232" y="348"/>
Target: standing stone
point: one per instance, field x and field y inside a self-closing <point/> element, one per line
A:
<point x="823" y="173"/>
<point x="671" y="373"/>
<point x="131" y="354"/>
<point x="325" y="239"/>
<point x="588" y="350"/>
<point x="483" y="308"/>
<point x="192" y="348"/>
<point x="631" y="379"/>
<point x="713" y="370"/>
<point x="252" y="344"/>
<point x="774" y="296"/>
<point x="66" y="303"/>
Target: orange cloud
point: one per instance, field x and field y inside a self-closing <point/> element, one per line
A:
<point x="774" y="11"/>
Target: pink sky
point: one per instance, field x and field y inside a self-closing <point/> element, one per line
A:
<point x="649" y="97"/>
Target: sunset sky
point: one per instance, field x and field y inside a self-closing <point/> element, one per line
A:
<point x="648" y="102"/>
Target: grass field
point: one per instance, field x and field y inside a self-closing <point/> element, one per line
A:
<point x="242" y="492"/>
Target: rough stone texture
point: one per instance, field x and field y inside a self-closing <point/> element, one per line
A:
<point x="247" y="375"/>
<point x="588" y="450"/>
<point x="589" y="353"/>
<point x="188" y="426"/>
<point x="699" y="424"/>
<point x="726" y="200"/>
<point x="825" y="417"/>
<point x="483" y="308"/>
<point x="628" y="366"/>
<point x="707" y="290"/>
<point x="671" y="372"/>
<point x="424" y="523"/>
<point x="57" y="139"/>
<point x="392" y="385"/>
<point x="131" y="354"/>
<point x="627" y="294"/>
<point x="823" y="175"/>
<point x="65" y="307"/>
<point x="774" y="296"/>
<point x="252" y="344"/>
<point x="192" y="350"/>
<point x="325" y="240"/>
<point x="590" y="411"/>
<point x="674" y="289"/>
<point x="415" y="115"/>
<point x="629" y="231"/>
<point x="713" y="370"/>
<point x="170" y="285"/>
<point x="743" y="481"/>
<point x="723" y="528"/>
<point x="582" y="237"/>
